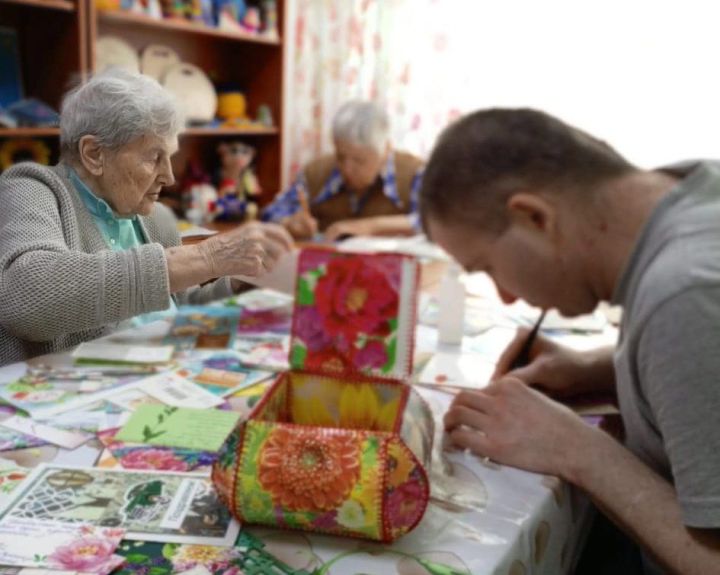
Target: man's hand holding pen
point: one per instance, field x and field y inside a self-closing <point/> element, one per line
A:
<point x="512" y="423"/>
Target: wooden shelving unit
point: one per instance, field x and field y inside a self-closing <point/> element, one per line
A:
<point x="253" y="63"/>
<point x="62" y="5"/>
<point x="182" y="26"/>
<point x="29" y="132"/>
<point x="52" y="39"/>
<point x="62" y="35"/>
<point x="231" y="132"/>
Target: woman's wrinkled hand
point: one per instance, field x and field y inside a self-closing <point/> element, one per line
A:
<point x="250" y="250"/>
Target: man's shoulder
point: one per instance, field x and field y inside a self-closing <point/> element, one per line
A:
<point x="684" y="267"/>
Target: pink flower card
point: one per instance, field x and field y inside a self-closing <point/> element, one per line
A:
<point x="354" y="314"/>
<point x="27" y="542"/>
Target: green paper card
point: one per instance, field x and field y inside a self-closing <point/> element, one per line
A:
<point x="202" y="429"/>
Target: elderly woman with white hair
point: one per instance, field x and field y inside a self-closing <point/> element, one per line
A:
<point x="86" y="246"/>
<point x="365" y="188"/>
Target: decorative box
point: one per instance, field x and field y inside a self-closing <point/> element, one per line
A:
<point x="339" y="444"/>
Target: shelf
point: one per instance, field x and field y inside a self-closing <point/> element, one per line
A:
<point x="28" y="132"/>
<point x="229" y="132"/>
<point x="45" y="132"/>
<point x="181" y="26"/>
<point x="62" y="5"/>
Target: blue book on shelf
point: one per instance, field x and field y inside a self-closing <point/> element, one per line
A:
<point x="10" y="77"/>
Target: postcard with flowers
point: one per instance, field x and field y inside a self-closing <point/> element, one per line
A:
<point x="354" y="313"/>
<point x="259" y="321"/>
<point x="46" y="391"/>
<point x="60" y="546"/>
<point x="249" y="555"/>
<point x="268" y="351"/>
<point x="11" y="439"/>
<point x="141" y="456"/>
<point x="11" y="475"/>
<point x="149" y="505"/>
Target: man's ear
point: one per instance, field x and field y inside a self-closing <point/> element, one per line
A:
<point x="533" y="212"/>
<point x="92" y="155"/>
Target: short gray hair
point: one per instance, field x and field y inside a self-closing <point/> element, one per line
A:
<point x="117" y="106"/>
<point x="362" y="123"/>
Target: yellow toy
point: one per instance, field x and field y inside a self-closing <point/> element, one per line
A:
<point x="22" y="150"/>
<point x="232" y="108"/>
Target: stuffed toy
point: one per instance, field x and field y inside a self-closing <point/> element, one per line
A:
<point x="237" y="183"/>
<point x="199" y="197"/>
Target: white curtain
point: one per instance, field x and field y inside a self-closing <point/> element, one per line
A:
<point x="640" y="74"/>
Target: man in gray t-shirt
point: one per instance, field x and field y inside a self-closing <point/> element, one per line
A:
<point x="560" y="219"/>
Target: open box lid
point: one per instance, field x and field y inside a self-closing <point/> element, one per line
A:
<point x="354" y="314"/>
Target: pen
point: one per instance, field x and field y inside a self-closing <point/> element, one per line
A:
<point x="523" y="358"/>
<point x="303" y="201"/>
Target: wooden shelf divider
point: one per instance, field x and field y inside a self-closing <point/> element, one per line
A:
<point x="62" y="5"/>
<point x="183" y="26"/>
<point x="230" y="132"/>
<point x="28" y="132"/>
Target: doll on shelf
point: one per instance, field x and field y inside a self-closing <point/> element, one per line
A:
<point x="199" y="197"/>
<point x="237" y="183"/>
<point x="251" y="21"/>
<point x="270" y="27"/>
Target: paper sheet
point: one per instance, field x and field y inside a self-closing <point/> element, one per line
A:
<point x="281" y="278"/>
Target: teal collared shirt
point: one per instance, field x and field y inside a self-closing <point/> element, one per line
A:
<point x="119" y="233"/>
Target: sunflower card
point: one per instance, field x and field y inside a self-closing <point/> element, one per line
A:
<point x="339" y="444"/>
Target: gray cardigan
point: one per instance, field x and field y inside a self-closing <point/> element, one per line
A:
<point x="59" y="283"/>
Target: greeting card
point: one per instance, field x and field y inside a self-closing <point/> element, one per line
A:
<point x="260" y="321"/>
<point x="201" y="429"/>
<point x="269" y="351"/>
<point x="118" y="354"/>
<point x="203" y="327"/>
<point x="60" y="546"/>
<point x="11" y="439"/>
<point x="150" y="505"/>
<point x="159" y="458"/>
<point x="222" y="373"/>
<point x="46" y="391"/>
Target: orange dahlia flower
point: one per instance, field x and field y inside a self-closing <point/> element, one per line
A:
<point x="307" y="469"/>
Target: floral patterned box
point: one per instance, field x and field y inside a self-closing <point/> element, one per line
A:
<point x="340" y="443"/>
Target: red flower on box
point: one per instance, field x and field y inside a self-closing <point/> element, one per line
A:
<point x="328" y="361"/>
<point x="354" y="298"/>
<point x="405" y="503"/>
<point x="307" y="470"/>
